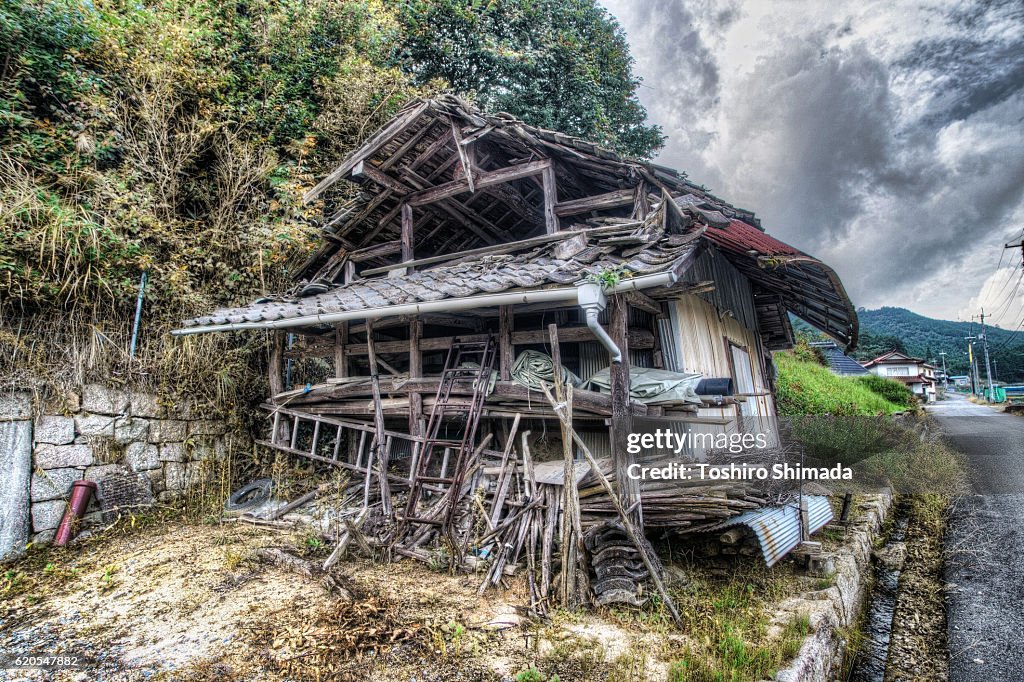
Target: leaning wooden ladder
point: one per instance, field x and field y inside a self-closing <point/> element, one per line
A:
<point x="482" y="354"/>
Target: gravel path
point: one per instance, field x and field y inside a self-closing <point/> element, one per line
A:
<point x="985" y="573"/>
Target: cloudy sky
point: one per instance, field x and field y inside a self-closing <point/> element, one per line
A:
<point x="885" y="138"/>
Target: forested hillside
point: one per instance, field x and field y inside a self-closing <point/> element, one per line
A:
<point x="925" y="337"/>
<point x="177" y="138"/>
<point x="899" y="329"/>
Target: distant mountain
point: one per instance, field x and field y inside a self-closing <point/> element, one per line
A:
<point x="888" y="329"/>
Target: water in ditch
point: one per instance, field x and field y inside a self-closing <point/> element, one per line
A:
<point x="869" y="662"/>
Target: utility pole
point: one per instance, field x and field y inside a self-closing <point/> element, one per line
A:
<point x="988" y="364"/>
<point x="945" y="374"/>
<point x="971" y="365"/>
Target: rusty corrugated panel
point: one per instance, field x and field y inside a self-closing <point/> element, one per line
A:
<point x="778" y="528"/>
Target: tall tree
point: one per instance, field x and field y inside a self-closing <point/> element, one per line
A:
<point x="559" y="64"/>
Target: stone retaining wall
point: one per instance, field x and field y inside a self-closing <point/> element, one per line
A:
<point x="108" y="430"/>
<point x="834" y="611"/>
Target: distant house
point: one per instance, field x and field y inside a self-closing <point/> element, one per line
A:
<point x="917" y="374"/>
<point x="838" y="361"/>
<point x="961" y="381"/>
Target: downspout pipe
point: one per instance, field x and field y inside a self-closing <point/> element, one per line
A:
<point x="592" y="300"/>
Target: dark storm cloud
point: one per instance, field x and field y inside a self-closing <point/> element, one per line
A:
<point x="886" y="142"/>
<point x="979" y="66"/>
<point x="674" y="46"/>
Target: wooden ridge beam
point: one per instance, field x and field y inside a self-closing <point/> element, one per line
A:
<point x="598" y="202"/>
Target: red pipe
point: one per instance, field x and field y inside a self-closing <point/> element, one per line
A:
<point x="81" y="495"/>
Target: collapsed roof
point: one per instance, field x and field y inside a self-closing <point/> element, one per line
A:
<point x="417" y="164"/>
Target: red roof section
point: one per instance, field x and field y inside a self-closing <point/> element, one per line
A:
<point x="741" y="238"/>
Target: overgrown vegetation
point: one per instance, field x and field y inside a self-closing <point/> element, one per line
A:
<point x="805" y="387"/>
<point x="177" y="138"/>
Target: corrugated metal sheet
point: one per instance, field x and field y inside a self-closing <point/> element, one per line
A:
<point x="669" y="345"/>
<point x="732" y="288"/>
<point x="593" y="357"/>
<point x="778" y="528"/>
<point x="741" y="238"/>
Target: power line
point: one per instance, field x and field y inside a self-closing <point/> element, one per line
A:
<point x="1009" y="299"/>
<point x="1009" y="338"/>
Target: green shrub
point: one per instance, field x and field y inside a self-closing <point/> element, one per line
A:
<point x="890" y="389"/>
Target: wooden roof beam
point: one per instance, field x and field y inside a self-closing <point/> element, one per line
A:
<point x="598" y="202"/>
<point x="481" y="180"/>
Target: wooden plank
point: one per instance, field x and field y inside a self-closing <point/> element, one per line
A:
<point x="597" y="202"/>
<point x="415" y="372"/>
<point x="621" y="414"/>
<point x="640" y="339"/>
<point x="370" y="172"/>
<point x="506" y="323"/>
<point x="407" y="234"/>
<point x="550" y="199"/>
<point x="340" y="341"/>
<point x="622" y="508"/>
<point x="464" y="156"/>
<point x="484" y="179"/>
<point x="509" y="247"/>
<point x="376" y="251"/>
<point x="378" y="421"/>
<point x="409" y="144"/>
<point x="276" y="364"/>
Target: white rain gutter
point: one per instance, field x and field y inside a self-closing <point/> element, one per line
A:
<point x="560" y="294"/>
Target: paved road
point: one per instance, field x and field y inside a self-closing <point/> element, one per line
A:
<point x="985" y="574"/>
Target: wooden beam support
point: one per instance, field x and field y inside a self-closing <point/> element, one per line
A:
<point x="376" y="251"/>
<point x="622" y="418"/>
<point x="598" y="202"/>
<point x="639" y="339"/>
<point x="415" y="372"/>
<point x="393" y="129"/>
<point x="340" y="341"/>
<point x="485" y="179"/>
<point x="366" y="170"/>
<point x="276" y="364"/>
<point x="465" y="158"/>
<point x="506" y="323"/>
<point x="378" y="422"/>
<point x="550" y="199"/>
<point x="510" y="247"/>
<point x="407" y="234"/>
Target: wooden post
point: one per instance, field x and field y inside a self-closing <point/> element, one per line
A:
<point x="635" y="533"/>
<point x="641" y="203"/>
<point x="378" y="422"/>
<point x="340" y="341"/>
<point x="574" y="585"/>
<point x="550" y="199"/>
<point x="622" y="421"/>
<point x="506" y="322"/>
<point x="415" y="372"/>
<point x="276" y="364"/>
<point x="407" y="235"/>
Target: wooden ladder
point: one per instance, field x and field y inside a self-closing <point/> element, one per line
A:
<point x="442" y="414"/>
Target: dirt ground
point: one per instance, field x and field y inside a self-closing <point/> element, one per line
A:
<point x="192" y="602"/>
<point x="178" y="601"/>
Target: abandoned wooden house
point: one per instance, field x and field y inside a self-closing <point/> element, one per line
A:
<point x="467" y="262"/>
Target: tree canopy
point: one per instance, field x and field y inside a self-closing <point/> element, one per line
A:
<point x="558" y="64"/>
<point x="178" y="138"/>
